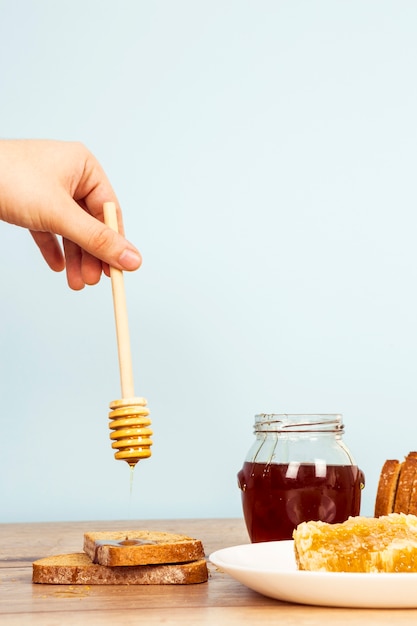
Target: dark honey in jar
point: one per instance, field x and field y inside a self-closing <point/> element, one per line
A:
<point x="298" y="469"/>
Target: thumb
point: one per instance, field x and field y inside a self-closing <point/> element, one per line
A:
<point x="102" y="242"/>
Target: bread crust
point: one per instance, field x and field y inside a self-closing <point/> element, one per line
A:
<point x="387" y="487"/>
<point x="153" y="548"/>
<point x="406" y="481"/>
<point x="412" y="507"/>
<point x="77" y="569"/>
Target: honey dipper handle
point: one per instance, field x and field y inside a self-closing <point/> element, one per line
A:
<point x="120" y="313"/>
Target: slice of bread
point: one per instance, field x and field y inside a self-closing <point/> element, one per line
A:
<point x="412" y="507"/>
<point x="361" y="544"/>
<point x="387" y="487"/>
<point x="77" y="569"/>
<point x="406" y="480"/>
<point x="397" y="487"/>
<point x="141" y="547"/>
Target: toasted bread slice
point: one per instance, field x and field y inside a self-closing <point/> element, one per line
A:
<point x="412" y="507"/>
<point x="406" y="480"/>
<point x="387" y="487"/>
<point x="77" y="569"/>
<point x="141" y="547"/>
<point x="361" y="544"/>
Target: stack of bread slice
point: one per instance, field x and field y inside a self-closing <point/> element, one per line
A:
<point x="397" y="487"/>
<point x="134" y="557"/>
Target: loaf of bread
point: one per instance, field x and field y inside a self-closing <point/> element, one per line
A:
<point x="141" y="547"/>
<point x="384" y="544"/>
<point x="78" y="569"/>
<point x="397" y="487"/>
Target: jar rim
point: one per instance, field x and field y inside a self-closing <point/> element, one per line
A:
<point x="303" y="422"/>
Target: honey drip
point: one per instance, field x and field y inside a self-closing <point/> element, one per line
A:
<point x="132" y="473"/>
<point x="131" y="434"/>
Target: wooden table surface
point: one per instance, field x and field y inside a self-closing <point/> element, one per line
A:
<point x="221" y="601"/>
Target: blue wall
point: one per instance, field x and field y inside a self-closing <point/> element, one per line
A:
<point x="264" y="154"/>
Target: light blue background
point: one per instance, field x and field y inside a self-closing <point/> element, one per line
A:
<point x="264" y="153"/>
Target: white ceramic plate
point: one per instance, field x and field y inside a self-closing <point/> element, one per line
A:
<point x="270" y="569"/>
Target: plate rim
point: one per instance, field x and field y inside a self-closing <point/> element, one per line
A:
<point x="315" y="574"/>
<point x="280" y="582"/>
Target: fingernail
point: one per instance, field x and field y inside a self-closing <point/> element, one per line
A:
<point x="130" y="259"/>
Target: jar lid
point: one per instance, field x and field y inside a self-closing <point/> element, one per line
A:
<point x="298" y="422"/>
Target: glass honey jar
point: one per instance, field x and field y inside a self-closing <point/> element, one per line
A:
<point x="298" y="469"/>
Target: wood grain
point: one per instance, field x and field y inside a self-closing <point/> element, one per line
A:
<point x="220" y="601"/>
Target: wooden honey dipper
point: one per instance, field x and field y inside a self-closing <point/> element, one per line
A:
<point x="129" y="415"/>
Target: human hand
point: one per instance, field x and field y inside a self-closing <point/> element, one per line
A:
<point x="57" y="188"/>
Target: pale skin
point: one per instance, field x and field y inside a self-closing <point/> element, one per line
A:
<point x="56" y="190"/>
